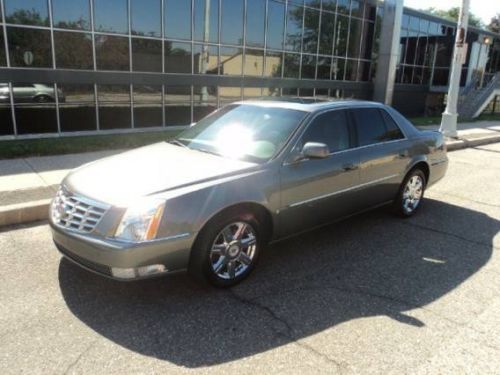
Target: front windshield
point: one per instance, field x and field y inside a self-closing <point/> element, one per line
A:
<point x="241" y="131"/>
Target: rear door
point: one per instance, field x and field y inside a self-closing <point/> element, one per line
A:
<point x="383" y="152"/>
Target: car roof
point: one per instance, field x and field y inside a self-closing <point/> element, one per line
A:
<point x="309" y="105"/>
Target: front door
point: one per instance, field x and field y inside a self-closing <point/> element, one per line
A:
<point x="315" y="191"/>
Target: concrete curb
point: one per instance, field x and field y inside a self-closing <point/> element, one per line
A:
<point x="38" y="210"/>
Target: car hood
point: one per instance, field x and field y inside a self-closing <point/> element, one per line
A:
<point x="159" y="167"/>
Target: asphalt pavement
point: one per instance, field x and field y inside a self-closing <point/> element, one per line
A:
<point x="373" y="294"/>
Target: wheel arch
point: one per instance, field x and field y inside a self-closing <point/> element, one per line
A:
<point x="420" y="164"/>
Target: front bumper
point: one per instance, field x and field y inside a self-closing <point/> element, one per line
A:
<point x="102" y="256"/>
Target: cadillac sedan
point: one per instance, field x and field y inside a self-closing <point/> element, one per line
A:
<point x="250" y="173"/>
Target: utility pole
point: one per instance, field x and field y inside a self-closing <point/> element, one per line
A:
<point x="449" y="119"/>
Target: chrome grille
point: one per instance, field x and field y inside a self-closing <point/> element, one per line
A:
<point x="75" y="212"/>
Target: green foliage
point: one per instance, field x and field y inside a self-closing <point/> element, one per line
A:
<point x="452" y="15"/>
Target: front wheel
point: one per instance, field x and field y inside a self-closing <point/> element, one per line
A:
<point x="410" y="193"/>
<point x="227" y="250"/>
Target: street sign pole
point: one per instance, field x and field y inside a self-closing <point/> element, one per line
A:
<point x="449" y="119"/>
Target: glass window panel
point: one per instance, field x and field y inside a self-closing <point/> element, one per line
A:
<point x="231" y="60"/>
<point x="411" y="50"/>
<point x="313" y="3"/>
<point x="228" y="94"/>
<point x="254" y="62"/>
<point x="27" y="12"/>
<point x="329" y="5"/>
<point x="146" y="17"/>
<point x="311" y="30"/>
<point x="327" y="33"/>
<point x="424" y="26"/>
<point x="111" y="16"/>
<point x="213" y="20"/>
<point x="414" y="23"/>
<point x="356" y="9"/>
<point x="351" y="70"/>
<point x="74" y="14"/>
<point x="6" y="125"/>
<point x="364" y="71"/>
<point x="275" y="24"/>
<point x="177" y="105"/>
<point x="324" y="67"/>
<point x="3" y="61"/>
<point x="367" y="40"/>
<point x="308" y="66"/>
<point x="440" y="77"/>
<point x="76" y="107"/>
<point x="252" y="92"/>
<point x="204" y="101"/>
<point x="206" y="59"/>
<point x="417" y="76"/>
<point x="177" y="57"/>
<point x="29" y="47"/>
<point x="146" y="55"/>
<point x="306" y="92"/>
<point x="338" y="67"/>
<point x="148" y="110"/>
<point x="274" y="62"/>
<point x="73" y="50"/>
<point x="256" y="15"/>
<point x="405" y="21"/>
<point x="342" y="31"/>
<point x="287" y="91"/>
<point x="178" y="19"/>
<point x="112" y="52"/>
<point x="343" y="6"/>
<point x="355" y="30"/>
<point x="294" y="28"/>
<point x="292" y="65"/>
<point x="114" y="106"/>
<point x="330" y="128"/>
<point x="421" y="50"/>
<point x="370" y="126"/>
<point x="232" y="22"/>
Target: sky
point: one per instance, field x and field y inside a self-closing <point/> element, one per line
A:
<point x="484" y="9"/>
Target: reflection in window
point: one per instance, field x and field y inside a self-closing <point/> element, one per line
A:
<point x="327" y="33"/>
<point x="111" y="16"/>
<point x="146" y="17"/>
<point x="357" y="9"/>
<point x="324" y="67"/>
<point x="338" y="68"/>
<point x="6" y="124"/>
<point x="74" y="14"/>
<point x="112" y="52"/>
<point x="206" y="59"/>
<point x="254" y="62"/>
<point x="114" y="106"/>
<point x="73" y="50"/>
<point x="275" y="24"/>
<point x="178" y="19"/>
<point x="252" y="92"/>
<point x="342" y="31"/>
<point x="355" y="28"/>
<point x="273" y="64"/>
<point x="3" y="61"/>
<point x="293" y="39"/>
<point x="148" y="110"/>
<point x="343" y="6"/>
<point x="177" y="57"/>
<point x="232" y="22"/>
<point x="351" y="70"/>
<point x="256" y="15"/>
<point x="35" y="109"/>
<point x="292" y="65"/>
<point x="228" y="94"/>
<point x="311" y="30"/>
<point x="231" y="60"/>
<point x="212" y="17"/>
<point x="29" y="47"/>
<point x="146" y="55"/>
<point x="367" y="40"/>
<point x="204" y="101"/>
<point x="76" y="107"/>
<point x="308" y="66"/>
<point x="27" y="12"/>
<point x="177" y="105"/>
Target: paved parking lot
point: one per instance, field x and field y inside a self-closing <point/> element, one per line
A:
<point x="374" y="294"/>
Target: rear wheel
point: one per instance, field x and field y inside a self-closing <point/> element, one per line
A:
<point x="410" y="193"/>
<point x="226" y="250"/>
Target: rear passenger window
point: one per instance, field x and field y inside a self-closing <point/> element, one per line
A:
<point x="375" y="126"/>
<point x="330" y="128"/>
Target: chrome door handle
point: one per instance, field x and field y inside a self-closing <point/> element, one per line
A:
<point x="350" y="167"/>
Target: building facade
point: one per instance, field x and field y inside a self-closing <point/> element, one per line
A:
<point x="87" y="66"/>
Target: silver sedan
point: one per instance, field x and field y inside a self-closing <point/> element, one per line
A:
<point x="250" y="173"/>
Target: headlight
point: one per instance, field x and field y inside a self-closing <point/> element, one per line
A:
<point x="141" y="221"/>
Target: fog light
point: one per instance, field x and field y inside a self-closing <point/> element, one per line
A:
<point x="150" y="270"/>
<point x="123" y="273"/>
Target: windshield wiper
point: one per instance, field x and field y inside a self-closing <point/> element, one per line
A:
<point x="176" y="142"/>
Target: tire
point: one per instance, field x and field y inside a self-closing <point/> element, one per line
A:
<point x="220" y="256"/>
<point x="411" y="193"/>
<point x="43" y="99"/>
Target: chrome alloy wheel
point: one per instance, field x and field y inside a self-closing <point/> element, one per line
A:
<point x="233" y="250"/>
<point x="412" y="194"/>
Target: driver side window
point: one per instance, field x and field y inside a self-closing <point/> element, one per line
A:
<point x="330" y="128"/>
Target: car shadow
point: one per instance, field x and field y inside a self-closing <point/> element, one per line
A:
<point x="370" y="265"/>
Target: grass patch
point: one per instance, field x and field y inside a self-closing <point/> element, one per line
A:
<point x="436" y="120"/>
<point x="72" y="145"/>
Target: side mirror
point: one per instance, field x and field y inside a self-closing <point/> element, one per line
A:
<point x="315" y="150"/>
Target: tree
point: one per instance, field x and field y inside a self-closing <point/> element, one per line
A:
<point x="495" y="24"/>
<point x="452" y="15"/>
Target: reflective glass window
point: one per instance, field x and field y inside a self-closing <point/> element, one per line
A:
<point x="178" y="19"/>
<point x="351" y="70"/>
<point x="330" y="128"/>
<point x="212" y="19"/>
<point x="311" y="30"/>
<point x="292" y="65"/>
<point x="206" y="59"/>
<point x="338" y="68"/>
<point x="177" y="57"/>
<point x="342" y="32"/>
<point x="414" y="23"/>
<point x="29" y="47"/>
<point x="357" y="9"/>
<point x="6" y="124"/>
<point x="76" y="107"/>
<point x="229" y="94"/>
<point x="232" y="22"/>
<point x="112" y="52"/>
<point x="254" y="62"/>
<point x="146" y="55"/>
<point x="231" y="60"/>
<point x="204" y="101"/>
<point x="327" y="33"/>
<point x="275" y="25"/>
<point x="74" y="14"/>
<point x="73" y="50"/>
<point x="343" y="6"/>
<point x="393" y="131"/>
<point x="256" y="15"/>
<point x="329" y="5"/>
<point x="27" y="12"/>
<point x="111" y="16"/>
<point x="370" y="126"/>
<point x="177" y="105"/>
<point x="3" y="61"/>
<point x="355" y="30"/>
<point x="34" y="108"/>
<point x="274" y="63"/>
<point x="146" y="17"/>
<point x="294" y="28"/>
<point x="324" y="67"/>
<point x="148" y="110"/>
<point x="308" y="66"/>
<point x="114" y="106"/>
